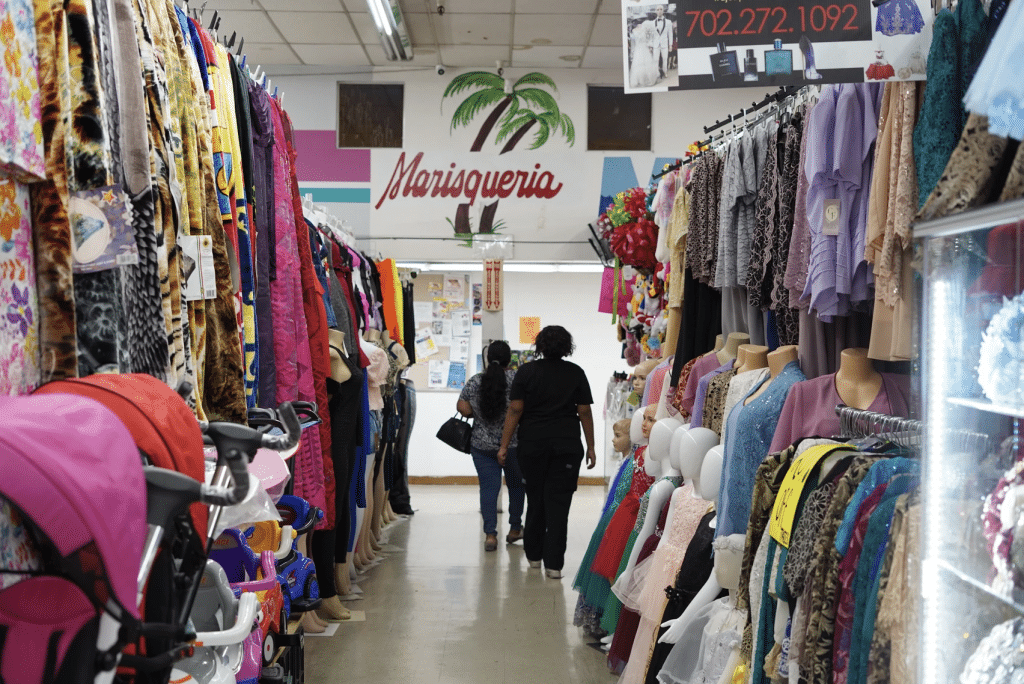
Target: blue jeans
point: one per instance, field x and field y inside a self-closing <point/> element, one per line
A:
<point x="489" y="472"/>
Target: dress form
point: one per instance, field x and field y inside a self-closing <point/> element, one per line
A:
<point x="372" y="335"/>
<point x="691" y="447"/>
<point x="732" y="345"/>
<point x="857" y="381"/>
<point x="661" y="491"/>
<point x="719" y="343"/>
<point x="777" y="360"/>
<point x="755" y="357"/>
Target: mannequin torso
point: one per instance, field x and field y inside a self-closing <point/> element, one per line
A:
<point x="755" y="357"/>
<point x="732" y="346"/>
<point x="777" y="360"/>
<point x="857" y="381"/>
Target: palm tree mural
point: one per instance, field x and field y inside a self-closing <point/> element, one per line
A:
<point x="525" y="108"/>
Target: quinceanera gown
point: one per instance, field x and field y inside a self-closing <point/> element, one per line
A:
<point x="899" y="18"/>
<point x="643" y="68"/>
<point x="609" y="554"/>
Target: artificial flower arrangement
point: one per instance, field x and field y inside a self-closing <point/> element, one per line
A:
<point x="629" y="227"/>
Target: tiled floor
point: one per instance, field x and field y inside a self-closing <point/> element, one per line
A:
<point x="439" y="610"/>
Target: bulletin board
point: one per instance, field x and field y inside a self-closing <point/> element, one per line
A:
<point x="444" y="315"/>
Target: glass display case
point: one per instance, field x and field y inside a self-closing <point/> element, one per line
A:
<point x="971" y="342"/>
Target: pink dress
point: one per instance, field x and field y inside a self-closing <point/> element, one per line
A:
<point x="292" y="357"/>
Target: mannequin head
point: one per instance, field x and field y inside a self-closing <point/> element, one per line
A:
<point x="691" y="448"/>
<point x="648" y="421"/>
<point x="729" y="561"/>
<point x="711" y="474"/>
<point x="661" y="440"/>
<point x="621" y="441"/>
<point x="637" y="432"/>
<point x="640" y="373"/>
<point x="754" y="357"/>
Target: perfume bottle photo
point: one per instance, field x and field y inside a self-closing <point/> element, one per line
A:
<point x="750" y="67"/>
<point x="723" y="64"/>
<point x="778" y="61"/>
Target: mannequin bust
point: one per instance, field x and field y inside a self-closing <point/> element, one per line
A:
<point x="755" y="357"/>
<point x="719" y="343"/>
<point x="711" y="473"/>
<point x="691" y="447"/>
<point x="732" y="345"/>
<point x="659" y="493"/>
<point x="620" y="436"/>
<point x="729" y="557"/>
<point x="398" y="352"/>
<point x="340" y="371"/>
<point x="372" y="335"/>
<point x="857" y="381"/>
<point x="777" y="360"/>
<point x="640" y="373"/>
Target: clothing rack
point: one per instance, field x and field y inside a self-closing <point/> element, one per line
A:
<point x="675" y="166"/>
<point x="778" y="96"/>
<point x="906" y="432"/>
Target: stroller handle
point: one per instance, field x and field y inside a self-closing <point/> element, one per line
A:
<point x="237" y="446"/>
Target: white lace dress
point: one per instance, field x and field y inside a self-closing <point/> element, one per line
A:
<point x="701" y="655"/>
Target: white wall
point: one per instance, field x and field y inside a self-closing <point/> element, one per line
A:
<point x="566" y="299"/>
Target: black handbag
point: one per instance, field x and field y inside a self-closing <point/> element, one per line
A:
<point x="456" y="432"/>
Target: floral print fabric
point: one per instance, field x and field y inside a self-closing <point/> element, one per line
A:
<point x="19" y="327"/>
<point x="21" y="128"/>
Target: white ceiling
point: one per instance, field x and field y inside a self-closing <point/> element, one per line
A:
<point x="471" y="33"/>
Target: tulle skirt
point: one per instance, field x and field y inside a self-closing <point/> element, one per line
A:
<point x="616" y="538"/>
<point x="997" y="90"/>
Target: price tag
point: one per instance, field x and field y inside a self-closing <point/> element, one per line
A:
<point x="784" y="511"/>
<point x="830" y="214"/>
<point x="197" y="267"/>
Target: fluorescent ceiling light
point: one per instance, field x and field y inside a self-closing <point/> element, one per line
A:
<point x="394" y="38"/>
<point x="511" y="267"/>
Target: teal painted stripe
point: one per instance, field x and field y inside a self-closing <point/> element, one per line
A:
<point x="344" y="195"/>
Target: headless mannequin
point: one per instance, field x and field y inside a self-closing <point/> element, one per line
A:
<point x="857" y="381"/>
<point x="719" y="343"/>
<point x="661" y="491"/>
<point x="754" y="358"/>
<point x="691" y="449"/>
<point x="711" y="475"/>
<point x="732" y="345"/>
<point x="777" y="360"/>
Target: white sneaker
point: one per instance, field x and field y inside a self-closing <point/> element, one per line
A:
<point x="553" y="574"/>
<point x="534" y="564"/>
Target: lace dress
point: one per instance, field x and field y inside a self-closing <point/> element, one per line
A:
<point x="658" y="572"/>
<point x="714" y="403"/>
<point x="593" y="588"/>
<point x="703" y="651"/>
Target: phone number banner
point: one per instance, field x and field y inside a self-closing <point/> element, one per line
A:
<point x="771" y="43"/>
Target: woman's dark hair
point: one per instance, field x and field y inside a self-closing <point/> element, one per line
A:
<point x="554" y="342"/>
<point x="494" y="384"/>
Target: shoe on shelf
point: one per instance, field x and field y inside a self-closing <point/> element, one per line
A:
<point x="534" y="564"/>
<point x="491" y="543"/>
<point x="513" y="536"/>
<point x="553" y="574"/>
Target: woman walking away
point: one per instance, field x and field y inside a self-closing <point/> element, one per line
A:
<point x="485" y="398"/>
<point x="550" y="401"/>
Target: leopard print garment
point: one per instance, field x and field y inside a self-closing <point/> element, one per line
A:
<point x="52" y="233"/>
<point x="86" y="141"/>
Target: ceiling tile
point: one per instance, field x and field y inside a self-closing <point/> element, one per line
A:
<point x="549" y="29"/>
<point x="577" y="7"/>
<point x="602" y="58"/>
<point x="365" y="28"/>
<point x="472" y="55"/>
<point x="254" y="25"/>
<point x="303" y="5"/>
<point x="269" y="53"/>
<point x="334" y="55"/>
<point x="468" y="6"/>
<point x="611" y="7"/>
<point x="547" y="56"/>
<point x="607" y="30"/>
<point x="221" y="5"/>
<point x="474" y="29"/>
<point x="420" y="32"/>
<point x="315" y="27"/>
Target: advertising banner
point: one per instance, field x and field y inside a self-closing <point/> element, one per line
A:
<point x="772" y="43"/>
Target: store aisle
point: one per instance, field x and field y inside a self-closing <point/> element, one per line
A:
<point x="440" y="610"/>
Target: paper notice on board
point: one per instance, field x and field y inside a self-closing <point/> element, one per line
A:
<point x="529" y="326"/>
<point x="423" y="312"/>
<point x="445" y="338"/>
<point x="456" y="375"/>
<point x="459" y="350"/>
<point x="425" y="345"/>
<point x="454" y="288"/>
<point x="461" y="322"/>
<point x="437" y="377"/>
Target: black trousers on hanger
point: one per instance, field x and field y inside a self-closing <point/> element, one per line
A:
<point x="399" y="496"/>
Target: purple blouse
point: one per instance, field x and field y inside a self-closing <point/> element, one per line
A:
<point x="702" y="392"/>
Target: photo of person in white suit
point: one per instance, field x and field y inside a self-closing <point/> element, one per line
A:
<point x="651" y="40"/>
